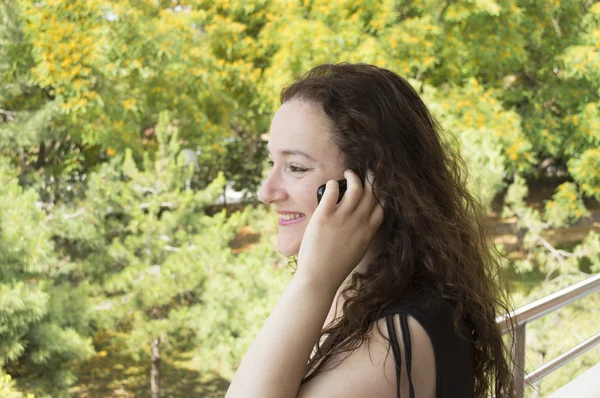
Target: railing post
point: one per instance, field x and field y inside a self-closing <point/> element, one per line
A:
<point x="517" y="321"/>
<point x="519" y="358"/>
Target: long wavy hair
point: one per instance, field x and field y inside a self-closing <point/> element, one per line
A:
<point x="434" y="233"/>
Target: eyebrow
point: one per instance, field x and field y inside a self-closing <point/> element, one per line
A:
<point x="290" y="152"/>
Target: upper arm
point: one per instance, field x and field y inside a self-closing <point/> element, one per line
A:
<point x="370" y="369"/>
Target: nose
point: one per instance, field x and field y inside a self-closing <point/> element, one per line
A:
<point x="272" y="189"/>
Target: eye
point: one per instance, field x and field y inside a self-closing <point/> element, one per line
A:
<point x="295" y="169"/>
<point x="292" y="168"/>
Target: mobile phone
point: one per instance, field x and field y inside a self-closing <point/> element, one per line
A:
<point x="342" y="187"/>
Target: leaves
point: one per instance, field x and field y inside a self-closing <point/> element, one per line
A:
<point x="32" y="334"/>
<point x="99" y="200"/>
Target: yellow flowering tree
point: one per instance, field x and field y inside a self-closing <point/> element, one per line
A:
<point x="515" y="84"/>
<point x="95" y="74"/>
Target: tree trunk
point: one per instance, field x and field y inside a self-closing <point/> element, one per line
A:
<point x="155" y="370"/>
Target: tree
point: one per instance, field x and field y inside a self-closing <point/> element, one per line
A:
<point x="7" y="387"/>
<point x="157" y="248"/>
<point x="97" y="83"/>
<point x="514" y="84"/>
<point x="43" y="319"/>
<point x="87" y="80"/>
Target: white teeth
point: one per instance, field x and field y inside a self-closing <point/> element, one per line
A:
<point x="288" y="217"/>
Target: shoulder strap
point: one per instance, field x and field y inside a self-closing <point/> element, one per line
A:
<point x="407" y="350"/>
<point x="396" y="350"/>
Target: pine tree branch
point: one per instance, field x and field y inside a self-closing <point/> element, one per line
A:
<point x="74" y="215"/>
<point x="163" y="205"/>
<point x="145" y="189"/>
<point x="68" y="216"/>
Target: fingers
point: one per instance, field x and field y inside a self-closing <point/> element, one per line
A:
<point x="358" y="199"/>
<point x="362" y="199"/>
<point x="354" y="192"/>
<point x="366" y="200"/>
<point x="329" y="199"/>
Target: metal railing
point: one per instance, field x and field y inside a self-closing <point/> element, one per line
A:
<point x="534" y="310"/>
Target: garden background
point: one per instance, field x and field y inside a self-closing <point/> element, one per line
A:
<point x="123" y="125"/>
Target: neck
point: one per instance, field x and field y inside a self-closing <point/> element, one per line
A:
<point x="335" y="311"/>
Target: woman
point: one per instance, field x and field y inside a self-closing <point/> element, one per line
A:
<point x="401" y="264"/>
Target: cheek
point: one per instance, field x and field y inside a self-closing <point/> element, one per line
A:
<point x="302" y="195"/>
<point x="308" y="199"/>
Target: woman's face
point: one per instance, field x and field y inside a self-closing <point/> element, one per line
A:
<point x="303" y="158"/>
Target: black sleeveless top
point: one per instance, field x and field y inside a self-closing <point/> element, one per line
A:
<point x="454" y="368"/>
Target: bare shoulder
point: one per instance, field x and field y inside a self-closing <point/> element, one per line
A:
<point x="370" y="370"/>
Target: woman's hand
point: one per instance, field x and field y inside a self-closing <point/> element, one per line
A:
<point x="337" y="237"/>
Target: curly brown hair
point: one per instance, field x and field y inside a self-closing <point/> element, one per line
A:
<point x="434" y="233"/>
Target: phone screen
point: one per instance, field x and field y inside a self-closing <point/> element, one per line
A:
<point x="342" y="186"/>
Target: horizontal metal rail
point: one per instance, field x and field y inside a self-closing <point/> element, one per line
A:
<point x="534" y="310"/>
<point x="562" y="359"/>
<point x="552" y="302"/>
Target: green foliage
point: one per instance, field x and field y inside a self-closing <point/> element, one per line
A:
<point x="562" y="210"/>
<point x="160" y="267"/>
<point x="98" y="73"/>
<point x="489" y="138"/>
<point x="157" y="242"/>
<point x="239" y="297"/>
<point x="8" y="388"/>
<point x="586" y="170"/>
<point x="40" y="327"/>
<point x="566" y="206"/>
<point x="104" y="222"/>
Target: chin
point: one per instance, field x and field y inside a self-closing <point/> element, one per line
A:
<point x="288" y="248"/>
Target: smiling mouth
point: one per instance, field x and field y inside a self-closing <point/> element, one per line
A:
<point x="287" y="219"/>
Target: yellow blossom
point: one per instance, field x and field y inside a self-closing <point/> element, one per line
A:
<point x="129" y="103"/>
